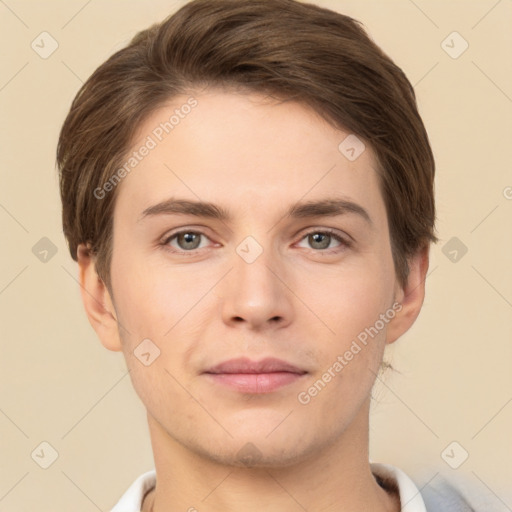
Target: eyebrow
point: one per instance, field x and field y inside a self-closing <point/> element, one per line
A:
<point x="330" y="207"/>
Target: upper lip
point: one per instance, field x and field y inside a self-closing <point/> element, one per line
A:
<point x="245" y="365"/>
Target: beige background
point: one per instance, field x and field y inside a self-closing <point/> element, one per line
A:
<point x="59" y="385"/>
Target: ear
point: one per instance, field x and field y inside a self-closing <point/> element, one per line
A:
<point x="409" y="297"/>
<point x="97" y="301"/>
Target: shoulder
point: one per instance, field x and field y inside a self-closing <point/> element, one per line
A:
<point x="442" y="495"/>
<point x="462" y="493"/>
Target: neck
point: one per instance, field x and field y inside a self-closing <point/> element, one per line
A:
<point x="336" y="478"/>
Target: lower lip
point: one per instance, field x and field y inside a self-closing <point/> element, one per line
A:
<point x="255" y="382"/>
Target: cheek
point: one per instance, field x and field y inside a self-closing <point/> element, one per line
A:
<point x="350" y="298"/>
<point x="166" y="307"/>
<point x="350" y="302"/>
<point x="153" y="314"/>
<point x="350" y="358"/>
<point x="150" y="299"/>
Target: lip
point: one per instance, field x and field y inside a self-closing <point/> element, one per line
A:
<point x="246" y="365"/>
<point x="247" y="376"/>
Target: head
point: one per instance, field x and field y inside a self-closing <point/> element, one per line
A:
<point x="276" y="113"/>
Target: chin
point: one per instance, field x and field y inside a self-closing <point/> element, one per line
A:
<point x="256" y="455"/>
<point x="256" y="448"/>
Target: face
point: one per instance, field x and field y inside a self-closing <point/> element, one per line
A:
<point x="272" y="277"/>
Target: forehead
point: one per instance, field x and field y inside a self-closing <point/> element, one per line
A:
<point x="246" y="152"/>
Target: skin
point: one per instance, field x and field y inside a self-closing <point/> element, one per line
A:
<point x="255" y="157"/>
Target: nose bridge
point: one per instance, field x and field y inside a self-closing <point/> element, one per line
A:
<point x="253" y="292"/>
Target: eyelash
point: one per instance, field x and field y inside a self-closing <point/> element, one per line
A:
<point x="344" y="243"/>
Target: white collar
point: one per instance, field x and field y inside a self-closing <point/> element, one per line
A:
<point x="410" y="497"/>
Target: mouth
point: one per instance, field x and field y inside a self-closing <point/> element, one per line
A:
<point x="255" y="377"/>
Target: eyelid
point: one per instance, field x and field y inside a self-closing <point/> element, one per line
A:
<point x="331" y="231"/>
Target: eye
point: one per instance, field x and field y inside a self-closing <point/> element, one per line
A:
<point x="187" y="241"/>
<point x="321" y="240"/>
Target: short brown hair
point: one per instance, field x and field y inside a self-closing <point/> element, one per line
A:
<point x="286" y="48"/>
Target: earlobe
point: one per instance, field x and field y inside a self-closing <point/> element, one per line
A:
<point x="410" y="297"/>
<point x="97" y="301"/>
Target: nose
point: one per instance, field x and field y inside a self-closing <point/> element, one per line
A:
<point x="256" y="294"/>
